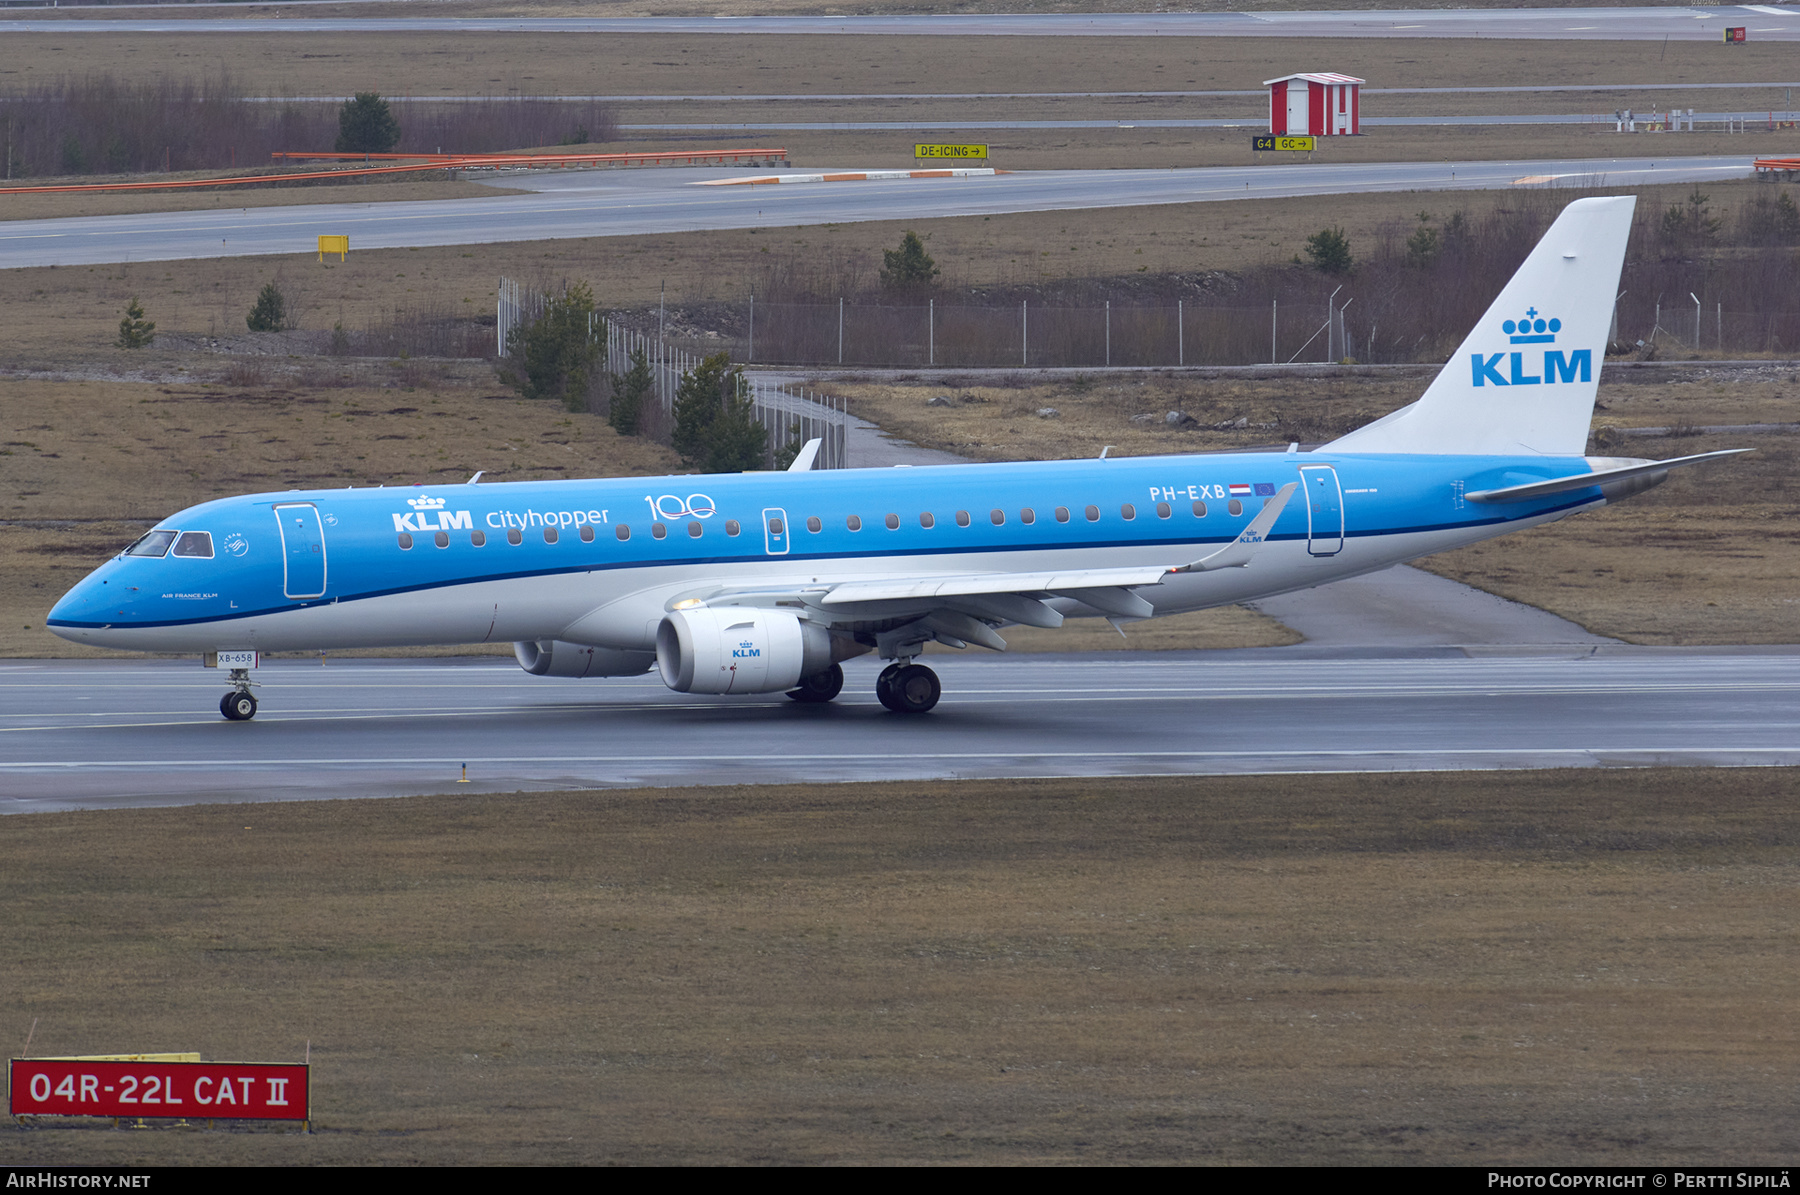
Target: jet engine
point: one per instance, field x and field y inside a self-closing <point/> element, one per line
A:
<point x="742" y="649"/>
<point x="553" y="657"/>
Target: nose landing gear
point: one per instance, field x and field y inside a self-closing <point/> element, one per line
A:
<point x="239" y="705"/>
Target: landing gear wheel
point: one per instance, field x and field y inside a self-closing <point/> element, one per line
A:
<point x="820" y="686"/>
<point x="884" y="686"/>
<point x="914" y="689"/>
<point x="238" y="707"/>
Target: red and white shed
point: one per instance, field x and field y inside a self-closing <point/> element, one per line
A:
<point x="1319" y="104"/>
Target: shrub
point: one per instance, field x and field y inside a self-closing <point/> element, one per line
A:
<point x="270" y="312"/>
<point x="135" y="332"/>
<point x="629" y="390"/>
<point x="365" y="126"/>
<point x="555" y="355"/>
<point x="908" y="266"/>
<point x="715" y="427"/>
<point x="1329" y="249"/>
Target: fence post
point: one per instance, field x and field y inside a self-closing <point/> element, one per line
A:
<point x="840" y="330"/>
<point x="1109" y="333"/>
<point x="931" y="332"/>
<point x="1274" y="312"/>
<point x="750" y="354"/>
<point x="1180" y="336"/>
<point x="1721" y="327"/>
<point x="1024" y="332"/>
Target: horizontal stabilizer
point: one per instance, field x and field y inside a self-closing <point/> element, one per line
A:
<point x="1600" y="477"/>
<point x="1238" y="552"/>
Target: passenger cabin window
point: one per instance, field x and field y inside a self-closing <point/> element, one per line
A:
<point x="962" y="518"/>
<point x="776" y="527"/>
<point x="587" y="533"/>
<point x="623" y="531"/>
<point x="549" y="535"/>
<point x="153" y="543"/>
<point x="441" y="539"/>
<point x="1093" y="514"/>
<point x="478" y="538"/>
<point x="1028" y="516"/>
<point x="854" y="523"/>
<point x="927" y="520"/>
<point x="1062" y="514"/>
<point x="893" y="522"/>
<point x="1162" y="510"/>
<point x="997" y="517"/>
<point x="514" y="536"/>
<point x="814" y="525"/>
<point x="1199" y="510"/>
<point x="657" y="531"/>
<point x="1128" y="512"/>
<point x="195" y="543"/>
<point x="405" y="542"/>
<point x="1235" y="507"/>
<point x="694" y="530"/>
<point x="732" y="527"/>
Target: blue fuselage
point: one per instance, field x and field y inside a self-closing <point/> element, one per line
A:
<point x="315" y="569"/>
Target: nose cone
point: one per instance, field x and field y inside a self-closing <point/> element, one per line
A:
<point x="84" y="610"/>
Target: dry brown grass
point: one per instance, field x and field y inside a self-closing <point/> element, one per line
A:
<point x="1506" y="968"/>
<point x="489" y="63"/>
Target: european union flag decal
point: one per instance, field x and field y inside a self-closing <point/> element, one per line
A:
<point x="1265" y="489"/>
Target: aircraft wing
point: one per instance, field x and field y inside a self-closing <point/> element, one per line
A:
<point x="961" y="608"/>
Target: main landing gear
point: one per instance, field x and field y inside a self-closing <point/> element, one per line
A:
<point x="904" y="687"/>
<point x="239" y="705"/>
<point x="908" y="688"/>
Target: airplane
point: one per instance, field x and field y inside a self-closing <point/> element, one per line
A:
<point x="766" y="582"/>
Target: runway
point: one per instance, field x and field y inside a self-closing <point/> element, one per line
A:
<point x="104" y="734"/>
<point x="1765" y="22"/>
<point x="572" y="204"/>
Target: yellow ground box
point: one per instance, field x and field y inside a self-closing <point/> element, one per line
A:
<point x="337" y="245"/>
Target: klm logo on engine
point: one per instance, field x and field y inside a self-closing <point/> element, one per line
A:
<point x="746" y="651"/>
<point x="1555" y="366"/>
<point x="428" y="514"/>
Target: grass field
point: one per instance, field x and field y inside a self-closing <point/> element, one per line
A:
<point x="1505" y="968"/>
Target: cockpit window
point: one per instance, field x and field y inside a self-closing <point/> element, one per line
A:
<point x="154" y="543"/>
<point x="195" y="543"/>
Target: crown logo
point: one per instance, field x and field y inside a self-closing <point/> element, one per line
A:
<point x="425" y="503"/>
<point x="1533" y="329"/>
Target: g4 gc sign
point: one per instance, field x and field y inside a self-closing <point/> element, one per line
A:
<point x="1292" y="144"/>
<point x="92" y="1087"/>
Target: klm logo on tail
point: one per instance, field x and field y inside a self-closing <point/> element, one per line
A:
<point x="1557" y="367"/>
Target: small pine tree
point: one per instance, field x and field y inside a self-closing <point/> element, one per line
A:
<point x="557" y="353"/>
<point x="1423" y="247"/>
<point x="270" y="312"/>
<point x="366" y="126"/>
<point x="908" y="266"/>
<point x="135" y="332"/>
<point x="715" y="424"/>
<point x="1329" y="249"/>
<point x="629" y="390"/>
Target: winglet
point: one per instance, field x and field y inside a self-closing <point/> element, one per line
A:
<point x="1238" y="552"/>
<point x="803" y="460"/>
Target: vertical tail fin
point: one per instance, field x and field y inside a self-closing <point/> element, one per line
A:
<point x="1524" y="380"/>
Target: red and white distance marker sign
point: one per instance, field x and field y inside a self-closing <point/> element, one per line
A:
<point x="236" y="1090"/>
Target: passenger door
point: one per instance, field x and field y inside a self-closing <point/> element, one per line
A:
<point x="302" y="550"/>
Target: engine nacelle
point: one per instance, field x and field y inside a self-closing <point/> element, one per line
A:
<point x="739" y="649"/>
<point x="553" y="657"/>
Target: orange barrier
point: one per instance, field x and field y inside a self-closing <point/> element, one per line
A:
<point x="1788" y="166"/>
<point x="705" y="157"/>
<point x="443" y="162"/>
